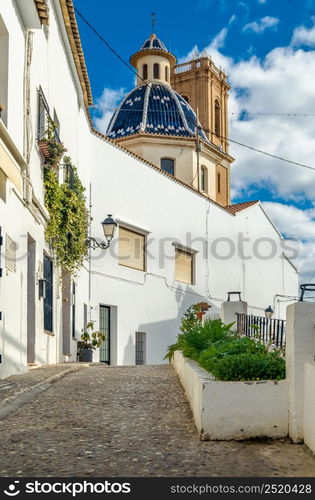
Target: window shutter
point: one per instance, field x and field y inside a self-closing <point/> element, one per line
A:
<point x="131" y="249"/>
<point x="1" y="243"/>
<point x="10" y="254"/>
<point x="183" y="266"/>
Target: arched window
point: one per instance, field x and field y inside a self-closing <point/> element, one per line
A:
<point x="204" y="178"/>
<point x="217" y="118"/>
<point x="156" y="71"/>
<point x="166" y="73"/>
<point x="168" y="165"/>
<point x="145" y="71"/>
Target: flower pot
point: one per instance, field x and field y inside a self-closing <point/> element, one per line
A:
<point x="200" y="315"/>
<point x="43" y="147"/>
<point x="86" y="355"/>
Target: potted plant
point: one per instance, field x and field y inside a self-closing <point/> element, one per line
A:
<point x="200" y="309"/>
<point x="89" y="342"/>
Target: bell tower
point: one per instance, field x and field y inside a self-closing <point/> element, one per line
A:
<point x="205" y="87"/>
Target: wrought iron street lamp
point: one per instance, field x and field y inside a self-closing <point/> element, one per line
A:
<point x="109" y="227"/>
<point x="268" y="312"/>
<point x="306" y="287"/>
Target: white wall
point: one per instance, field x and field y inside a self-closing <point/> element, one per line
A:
<point x="309" y="406"/>
<point x="153" y="301"/>
<point x="233" y="410"/>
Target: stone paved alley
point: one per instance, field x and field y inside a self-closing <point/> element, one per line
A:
<point x="129" y="421"/>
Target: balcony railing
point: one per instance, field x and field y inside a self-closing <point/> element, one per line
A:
<point x="45" y="121"/>
<point x="269" y="331"/>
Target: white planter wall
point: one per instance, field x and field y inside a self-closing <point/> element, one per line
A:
<point x="233" y="410"/>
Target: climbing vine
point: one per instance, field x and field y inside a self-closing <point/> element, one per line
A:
<point x="67" y="229"/>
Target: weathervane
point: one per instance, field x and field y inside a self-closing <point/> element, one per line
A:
<point x="153" y="15"/>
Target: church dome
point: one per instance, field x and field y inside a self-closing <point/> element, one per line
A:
<point x="152" y="46"/>
<point x="154" y="109"/>
<point x="153" y="43"/>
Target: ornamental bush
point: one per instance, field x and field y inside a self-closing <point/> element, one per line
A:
<point x="225" y="354"/>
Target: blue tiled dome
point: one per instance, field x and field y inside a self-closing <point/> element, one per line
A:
<point x="153" y="109"/>
<point x="153" y="43"/>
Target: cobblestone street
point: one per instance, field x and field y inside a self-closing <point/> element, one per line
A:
<point x="129" y="421"/>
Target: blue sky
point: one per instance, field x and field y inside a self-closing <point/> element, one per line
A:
<point x="267" y="47"/>
<point x="126" y="24"/>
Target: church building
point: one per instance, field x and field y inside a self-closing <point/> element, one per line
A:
<point x="176" y="118"/>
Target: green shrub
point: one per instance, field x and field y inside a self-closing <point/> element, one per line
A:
<point x="199" y="337"/>
<point x="245" y="366"/>
<point x="224" y="353"/>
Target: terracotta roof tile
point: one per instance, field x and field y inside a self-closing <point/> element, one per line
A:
<point x="42" y="11"/>
<point x="76" y="47"/>
<point x="238" y="207"/>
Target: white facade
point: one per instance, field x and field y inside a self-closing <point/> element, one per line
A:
<point x="137" y="194"/>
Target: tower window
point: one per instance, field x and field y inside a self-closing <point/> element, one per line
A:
<point x="204" y="178"/>
<point x="168" y="165"/>
<point x="217" y="118"/>
<point x="166" y="73"/>
<point x="156" y="71"/>
<point x="145" y="71"/>
<point x="219" y="183"/>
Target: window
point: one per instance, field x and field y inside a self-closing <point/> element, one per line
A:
<point x="4" y="69"/>
<point x="184" y="266"/>
<point x="48" y="299"/>
<point x="131" y="249"/>
<point x="105" y="327"/>
<point x="140" y="348"/>
<point x="166" y="73"/>
<point x="3" y="186"/>
<point x="217" y="118"/>
<point x="204" y="178"/>
<point x="43" y="114"/>
<point x="85" y="311"/>
<point x="219" y="183"/>
<point x="168" y="165"/>
<point x="56" y="126"/>
<point x="10" y="254"/>
<point x="145" y="71"/>
<point x="156" y="71"/>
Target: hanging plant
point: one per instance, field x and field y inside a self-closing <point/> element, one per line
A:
<point x="51" y="148"/>
<point x="67" y="229"/>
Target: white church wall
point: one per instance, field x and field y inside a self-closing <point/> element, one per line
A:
<point x="152" y="301"/>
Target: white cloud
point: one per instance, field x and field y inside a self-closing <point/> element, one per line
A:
<point x="262" y="24"/>
<point x="304" y="36"/>
<point x="280" y="83"/>
<point x="262" y="1"/>
<point x="219" y="40"/>
<point x="300" y="224"/>
<point x="105" y="106"/>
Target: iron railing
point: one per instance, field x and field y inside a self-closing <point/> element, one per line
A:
<point x="44" y="120"/>
<point x="267" y="330"/>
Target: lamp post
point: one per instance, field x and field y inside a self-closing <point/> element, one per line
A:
<point x="268" y="316"/>
<point x="268" y="312"/>
<point x="109" y="226"/>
